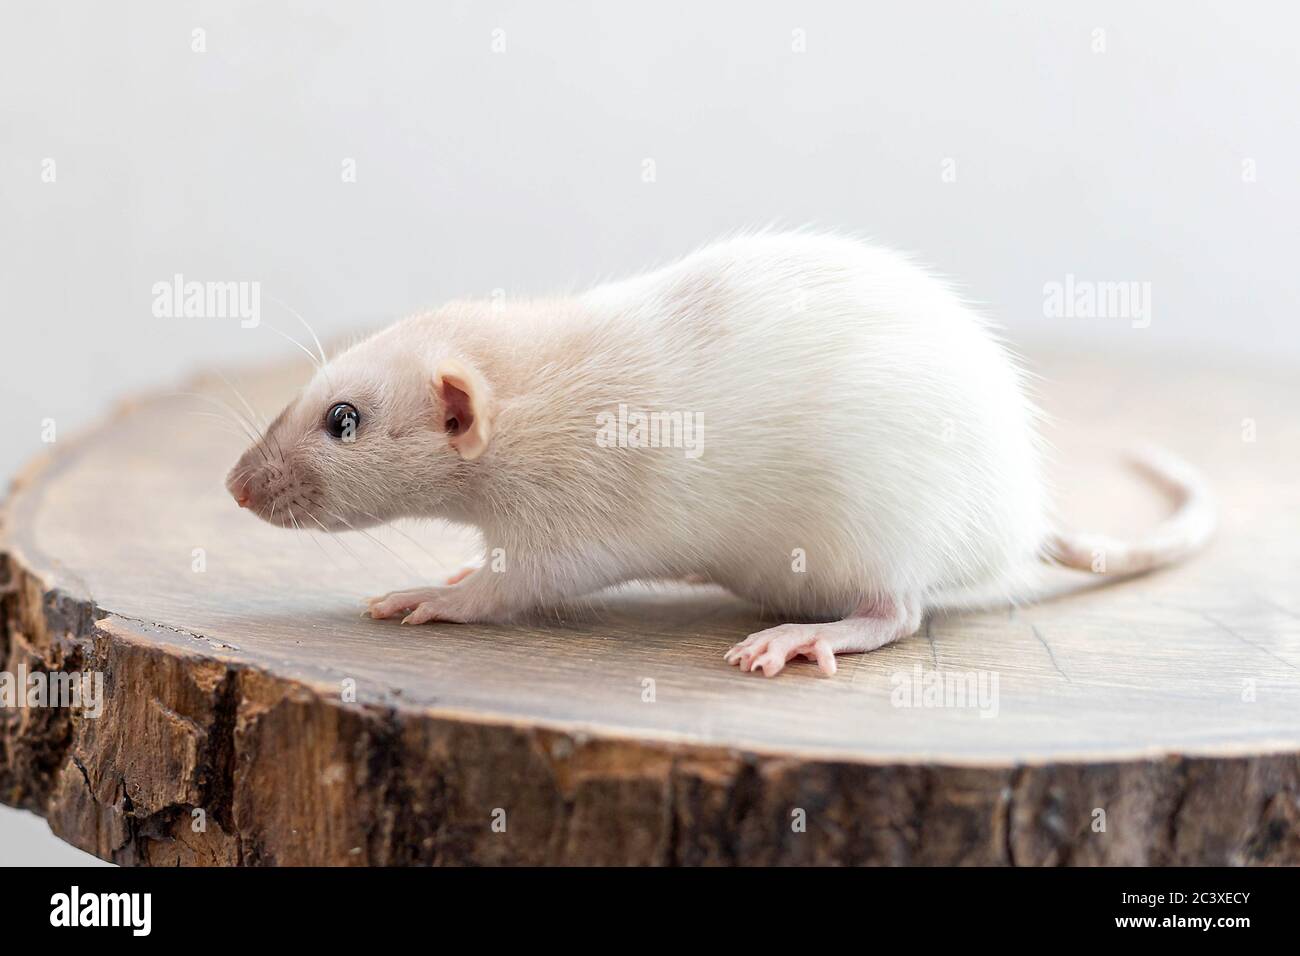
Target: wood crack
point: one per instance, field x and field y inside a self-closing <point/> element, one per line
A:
<point x="1050" y="655"/>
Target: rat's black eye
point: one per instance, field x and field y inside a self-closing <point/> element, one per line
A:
<point x="342" y="421"/>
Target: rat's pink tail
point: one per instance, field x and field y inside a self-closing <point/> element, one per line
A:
<point x="1182" y="534"/>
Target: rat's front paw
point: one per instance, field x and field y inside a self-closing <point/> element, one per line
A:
<point x="424" y="605"/>
<point x="395" y="602"/>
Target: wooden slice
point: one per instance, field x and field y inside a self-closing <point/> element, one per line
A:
<point x="252" y="716"/>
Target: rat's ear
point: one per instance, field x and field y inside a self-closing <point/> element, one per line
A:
<point x="464" y="403"/>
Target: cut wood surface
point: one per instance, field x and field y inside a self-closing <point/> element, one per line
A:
<point x="252" y="716"/>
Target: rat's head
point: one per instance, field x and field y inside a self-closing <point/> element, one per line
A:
<point x="379" y="433"/>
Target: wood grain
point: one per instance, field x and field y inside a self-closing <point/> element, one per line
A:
<point x="1169" y="702"/>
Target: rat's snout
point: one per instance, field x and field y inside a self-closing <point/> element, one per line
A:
<point x="272" y="492"/>
<point x="248" y="488"/>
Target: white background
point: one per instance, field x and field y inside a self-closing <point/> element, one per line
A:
<point x="523" y="170"/>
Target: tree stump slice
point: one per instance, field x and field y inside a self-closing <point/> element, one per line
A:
<point x="1165" y="709"/>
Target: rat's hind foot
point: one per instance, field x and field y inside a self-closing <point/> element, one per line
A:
<point x="770" y="649"/>
<point x="872" y="625"/>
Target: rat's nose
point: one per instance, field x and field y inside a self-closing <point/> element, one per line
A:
<point x="241" y="489"/>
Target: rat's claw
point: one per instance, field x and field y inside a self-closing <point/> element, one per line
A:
<point x="437" y="610"/>
<point x="743" y="654"/>
<point x="422" y="615"/>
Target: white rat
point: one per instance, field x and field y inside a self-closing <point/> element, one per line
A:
<point x="812" y="422"/>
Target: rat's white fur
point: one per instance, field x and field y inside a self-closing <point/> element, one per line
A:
<point x="855" y="413"/>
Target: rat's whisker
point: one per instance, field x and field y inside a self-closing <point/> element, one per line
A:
<point x="310" y="331"/>
<point x="392" y="527"/>
<point x="324" y="550"/>
<point x="355" y="557"/>
<point x="256" y="419"/>
<point x="250" y="432"/>
<point x="368" y="536"/>
<point x="228" y="425"/>
<point x="290" y="339"/>
<point x="312" y="535"/>
<point x="264" y="427"/>
<point x="226" y="407"/>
